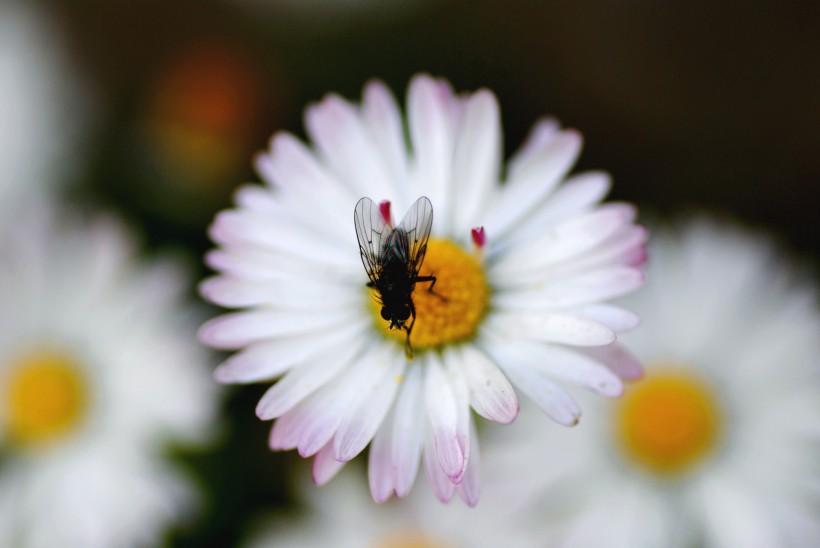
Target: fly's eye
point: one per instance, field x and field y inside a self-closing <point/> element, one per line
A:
<point x="403" y="314"/>
<point x="385" y="313"/>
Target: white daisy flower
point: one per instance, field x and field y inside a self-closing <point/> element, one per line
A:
<point x="344" y="517"/>
<point x="523" y="264"/>
<point x="42" y="113"/>
<point x="718" y="444"/>
<point x="98" y="373"/>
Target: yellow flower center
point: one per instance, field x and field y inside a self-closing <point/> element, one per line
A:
<point x="410" y="539"/>
<point x="44" y="396"/>
<point x="669" y="421"/>
<point x="453" y="310"/>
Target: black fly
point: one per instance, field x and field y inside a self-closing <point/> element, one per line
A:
<point x="392" y="257"/>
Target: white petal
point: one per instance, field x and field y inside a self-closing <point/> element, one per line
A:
<point x="544" y="291"/>
<point x="566" y="240"/>
<point x="553" y="400"/>
<point x="470" y="488"/>
<point x="296" y="292"/>
<point x="313" y="421"/>
<point x="549" y="327"/>
<point x="383" y="119"/>
<point x="408" y="431"/>
<point x="616" y="318"/>
<point x="579" y="194"/>
<point x="280" y="235"/>
<point x="443" y="414"/>
<point x="244" y="262"/>
<point x="491" y="394"/>
<point x="441" y="484"/>
<point x="477" y="160"/>
<point x="240" y="329"/>
<point x="379" y="466"/>
<point x="431" y="117"/>
<point x="311" y="188"/>
<point x="338" y="406"/>
<point x="520" y="197"/>
<point x="461" y="395"/>
<point x="270" y="359"/>
<point x="338" y="131"/>
<point x="258" y="199"/>
<point x="617" y="359"/>
<point x="325" y="467"/>
<point x="567" y="365"/>
<point x="626" y="247"/>
<point x="289" y="164"/>
<point x="533" y="383"/>
<point x="304" y="380"/>
<point x="361" y="423"/>
<point x="541" y="134"/>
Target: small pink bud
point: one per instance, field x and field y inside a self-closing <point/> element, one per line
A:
<point x="479" y="237"/>
<point x="384" y="209"/>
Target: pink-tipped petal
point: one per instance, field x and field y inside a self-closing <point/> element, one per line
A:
<point x="520" y="197"/>
<point x="441" y="484"/>
<point x="361" y="423"/>
<point x="554" y="401"/>
<point x="541" y="134"/>
<point x="461" y="394"/>
<point x="470" y="488"/>
<point x="549" y="327"/>
<point x="379" y="467"/>
<point x="443" y="414"/>
<point x="491" y="394"/>
<point x="408" y="431"/>
<point x="325" y="467"/>
<point x="270" y="359"/>
<point x="284" y="434"/>
<point x="618" y="360"/>
<point x="303" y="381"/>
<point x="567" y="365"/>
<point x="614" y="317"/>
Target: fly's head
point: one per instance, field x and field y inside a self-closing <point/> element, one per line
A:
<point x="396" y="315"/>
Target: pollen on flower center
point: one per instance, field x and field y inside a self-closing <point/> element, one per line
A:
<point x="669" y="421"/>
<point x="453" y="310"/>
<point x="44" y="397"/>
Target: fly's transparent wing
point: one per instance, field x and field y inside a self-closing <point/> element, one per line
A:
<point x="372" y="231"/>
<point x="415" y="227"/>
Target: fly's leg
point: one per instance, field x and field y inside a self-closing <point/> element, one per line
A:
<point x="408" y="349"/>
<point x="432" y="280"/>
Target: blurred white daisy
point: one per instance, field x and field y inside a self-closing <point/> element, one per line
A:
<point x="99" y="371"/>
<point x="42" y="111"/>
<point x="523" y="266"/>
<point x="719" y="444"/>
<point x="344" y="517"/>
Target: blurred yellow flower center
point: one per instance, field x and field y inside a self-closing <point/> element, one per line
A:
<point x="410" y="540"/>
<point x="453" y="310"/>
<point x="44" y="396"/>
<point x="669" y="421"/>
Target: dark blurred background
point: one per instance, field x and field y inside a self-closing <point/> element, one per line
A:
<point x="688" y="104"/>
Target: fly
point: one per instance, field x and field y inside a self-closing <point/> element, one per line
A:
<point x="392" y="257"/>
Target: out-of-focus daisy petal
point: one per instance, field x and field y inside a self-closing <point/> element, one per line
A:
<point x="100" y="377"/>
<point x="717" y="444"/>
